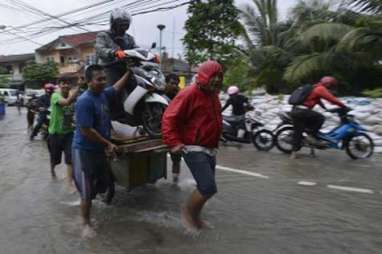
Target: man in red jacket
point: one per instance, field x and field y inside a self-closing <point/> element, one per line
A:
<point x="305" y="117"/>
<point x="192" y="124"/>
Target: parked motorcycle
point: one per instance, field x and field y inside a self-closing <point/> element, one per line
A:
<point x="261" y="138"/>
<point x="348" y="135"/>
<point x="144" y="104"/>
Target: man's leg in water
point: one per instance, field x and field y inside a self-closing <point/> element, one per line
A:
<point x="55" y="152"/>
<point x="175" y="158"/>
<point x="191" y="213"/>
<point x="40" y="121"/>
<point x="202" y="167"/>
<point x="85" y="211"/>
<point x="68" y="159"/>
<point x="298" y="129"/>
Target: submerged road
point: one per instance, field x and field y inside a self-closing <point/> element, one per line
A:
<point x="266" y="204"/>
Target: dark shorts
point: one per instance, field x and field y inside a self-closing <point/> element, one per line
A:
<point x="60" y="143"/>
<point x="91" y="173"/>
<point x="202" y="167"/>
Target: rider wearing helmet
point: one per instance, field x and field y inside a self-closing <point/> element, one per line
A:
<point x="304" y="117"/>
<point x="110" y="45"/>
<point x="240" y="105"/>
<point x="43" y="104"/>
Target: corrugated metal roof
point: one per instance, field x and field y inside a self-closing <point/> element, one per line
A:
<point x="16" y="58"/>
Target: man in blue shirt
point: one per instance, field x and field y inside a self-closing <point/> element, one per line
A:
<point x="91" y="143"/>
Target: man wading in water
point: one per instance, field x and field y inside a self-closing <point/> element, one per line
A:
<point x="192" y="124"/>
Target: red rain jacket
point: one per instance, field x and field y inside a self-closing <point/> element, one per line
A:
<point x="193" y="116"/>
<point x="321" y="92"/>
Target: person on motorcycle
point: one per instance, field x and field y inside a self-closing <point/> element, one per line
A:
<point x="43" y="103"/>
<point x="240" y="105"/>
<point x="305" y="118"/>
<point x="110" y="46"/>
<point x="32" y="108"/>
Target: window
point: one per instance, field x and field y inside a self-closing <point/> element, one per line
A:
<point x="90" y="59"/>
<point x="62" y="59"/>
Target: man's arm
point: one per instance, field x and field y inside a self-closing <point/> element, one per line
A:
<point x="173" y="119"/>
<point x="121" y="83"/>
<point x="325" y="94"/>
<point x="227" y="103"/>
<point x="94" y="136"/>
<point x="102" y="49"/>
<point x="71" y="98"/>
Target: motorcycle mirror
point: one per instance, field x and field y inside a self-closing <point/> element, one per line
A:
<point x="154" y="45"/>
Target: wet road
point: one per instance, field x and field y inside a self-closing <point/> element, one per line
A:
<point x="266" y="204"/>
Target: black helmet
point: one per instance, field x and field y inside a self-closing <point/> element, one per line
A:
<point x="119" y="17"/>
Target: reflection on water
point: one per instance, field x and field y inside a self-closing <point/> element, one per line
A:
<point x="250" y="215"/>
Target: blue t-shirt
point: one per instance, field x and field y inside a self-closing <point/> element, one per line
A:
<point x="92" y="111"/>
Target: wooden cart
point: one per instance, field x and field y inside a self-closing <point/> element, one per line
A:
<point x="141" y="161"/>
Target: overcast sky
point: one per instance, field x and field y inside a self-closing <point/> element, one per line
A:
<point x="143" y="28"/>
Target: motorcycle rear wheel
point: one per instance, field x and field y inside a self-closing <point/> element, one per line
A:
<point x="152" y="119"/>
<point x="263" y="140"/>
<point x="360" y="146"/>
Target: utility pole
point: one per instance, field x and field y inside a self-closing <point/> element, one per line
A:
<point x="160" y="27"/>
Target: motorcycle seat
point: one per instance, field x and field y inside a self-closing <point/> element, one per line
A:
<point x="234" y="119"/>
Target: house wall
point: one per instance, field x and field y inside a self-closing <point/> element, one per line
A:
<point x="88" y="53"/>
<point x="68" y="59"/>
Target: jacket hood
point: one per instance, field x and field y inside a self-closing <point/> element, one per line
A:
<point x="206" y="71"/>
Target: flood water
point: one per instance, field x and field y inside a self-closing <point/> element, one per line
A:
<point x="249" y="214"/>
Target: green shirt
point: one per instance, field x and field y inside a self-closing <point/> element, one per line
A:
<point x="61" y="117"/>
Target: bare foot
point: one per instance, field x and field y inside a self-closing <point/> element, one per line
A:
<point x="189" y="224"/>
<point x="293" y="156"/>
<point x="175" y="178"/>
<point x="88" y="232"/>
<point x="204" y="224"/>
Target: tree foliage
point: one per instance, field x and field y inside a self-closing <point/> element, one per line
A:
<point x="318" y="39"/>
<point x="35" y="72"/>
<point x="211" y="31"/>
<point x="4" y="80"/>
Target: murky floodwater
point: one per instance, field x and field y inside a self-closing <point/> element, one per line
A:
<point x="250" y="215"/>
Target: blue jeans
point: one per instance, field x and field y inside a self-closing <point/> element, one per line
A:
<point x="202" y="167"/>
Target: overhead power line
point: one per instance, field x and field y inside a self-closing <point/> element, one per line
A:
<point x="45" y="14"/>
<point x="101" y="18"/>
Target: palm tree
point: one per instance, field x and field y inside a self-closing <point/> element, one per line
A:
<point x="261" y="23"/>
<point x="317" y="52"/>
<point x="370" y="6"/>
<point x="266" y="39"/>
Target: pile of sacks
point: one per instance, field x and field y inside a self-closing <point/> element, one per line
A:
<point x="366" y="111"/>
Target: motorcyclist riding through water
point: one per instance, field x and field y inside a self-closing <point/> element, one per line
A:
<point x="305" y="118"/>
<point x="110" y="46"/>
<point x="240" y="105"/>
<point x="43" y="104"/>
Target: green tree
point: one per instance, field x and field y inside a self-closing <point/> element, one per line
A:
<point x="266" y="39"/>
<point x="4" y="80"/>
<point x="3" y="70"/>
<point x="36" y="73"/>
<point x="238" y="74"/>
<point x="211" y="30"/>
